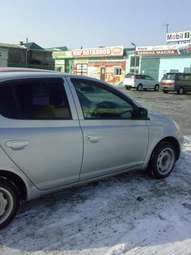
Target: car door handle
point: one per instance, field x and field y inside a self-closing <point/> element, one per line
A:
<point x="93" y="139"/>
<point x="17" y="145"/>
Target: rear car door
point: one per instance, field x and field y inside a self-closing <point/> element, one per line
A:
<point x="40" y="130"/>
<point x="149" y="81"/>
<point x="113" y="140"/>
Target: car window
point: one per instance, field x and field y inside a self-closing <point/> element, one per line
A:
<point x="187" y="77"/>
<point x="147" y="77"/>
<point x="139" y="77"/>
<point x="98" y="102"/>
<point x="169" y="76"/>
<point x="131" y="76"/>
<point x="34" y="99"/>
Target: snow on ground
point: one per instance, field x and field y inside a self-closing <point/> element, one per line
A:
<point x="127" y="214"/>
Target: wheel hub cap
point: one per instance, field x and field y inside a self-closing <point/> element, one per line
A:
<point x="6" y="204"/>
<point x="3" y="203"/>
<point x="166" y="160"/>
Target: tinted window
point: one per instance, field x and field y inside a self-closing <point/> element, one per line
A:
<point x="34" y="99"/>
<point x="169" y="76"/>
<point x="98" y="102"/>
<point x="147" y="77"/>
<point x="187" y="77"/>
<point x="130" y="76"/>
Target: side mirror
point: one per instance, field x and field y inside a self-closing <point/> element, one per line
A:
<point x="142" y="113"/>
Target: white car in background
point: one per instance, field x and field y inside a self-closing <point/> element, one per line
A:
<point x="140" y="82"/>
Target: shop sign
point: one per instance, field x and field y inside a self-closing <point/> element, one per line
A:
<point x="98" y="52"/>
<point x="62" y="54"/>
<point x="162" y="50"/>
<point x="179" y="36"/>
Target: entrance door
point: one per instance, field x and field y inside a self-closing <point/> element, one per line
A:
<point x="102" y="73"/>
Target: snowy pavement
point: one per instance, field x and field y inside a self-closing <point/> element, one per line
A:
<point x="128" y="214"/>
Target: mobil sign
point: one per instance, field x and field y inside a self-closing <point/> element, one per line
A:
<point x="178" y="36"/>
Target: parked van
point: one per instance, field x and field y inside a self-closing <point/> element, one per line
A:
<point x="178" y="82"/>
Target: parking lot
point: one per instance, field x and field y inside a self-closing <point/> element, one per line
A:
<point x="127" y="214"/>
<point x="176" y="106"/>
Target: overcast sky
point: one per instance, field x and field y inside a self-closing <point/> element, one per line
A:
<point x="88" y="23"/>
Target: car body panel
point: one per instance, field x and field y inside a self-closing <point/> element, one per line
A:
<point x="135" y="80"/>
<point x="59" y="154"/>
<point x="175" y="81"/>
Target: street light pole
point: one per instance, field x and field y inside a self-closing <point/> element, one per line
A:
<point x="135" y="67"/>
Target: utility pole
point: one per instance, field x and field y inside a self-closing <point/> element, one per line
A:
<point x="167" y="28"/>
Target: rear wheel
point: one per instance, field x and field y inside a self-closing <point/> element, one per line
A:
<point x="165" y="91"/>
<point x="140" y="87"/>
<point x="162" y="160"/>
<point x="9" y="202"/>
<point x="156" y="87"/>
<point x="180" y="91"/>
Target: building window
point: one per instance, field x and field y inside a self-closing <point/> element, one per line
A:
<point x="134" y="64"/>
<point x="117" y="71"/>
<point x="81" y="69"/>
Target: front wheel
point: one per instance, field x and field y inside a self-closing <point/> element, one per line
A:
<point x="9" y="202"/>
<point x="180" y="91"/>
<point x="140" y="87"/>
<point x="163" y="160"/>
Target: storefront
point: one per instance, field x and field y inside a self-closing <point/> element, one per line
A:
<point x="105" y="63"/>
<point x="158" y="60"/>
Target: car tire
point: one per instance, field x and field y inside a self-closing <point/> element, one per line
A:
<point x="9" y="202"/>
<point x="180" y="91"/>
<point x="162" y="161"/>
<point x="165" y="91"/>
<point x="140" y="87"/>
<point x="156" y="88"/>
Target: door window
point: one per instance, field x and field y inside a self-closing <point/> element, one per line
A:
<point x="99" y="102"/>
<point x="147" y="77"/>
<point x="34" y="99"/>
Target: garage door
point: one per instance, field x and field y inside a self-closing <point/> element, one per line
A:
<point x="150" y="66"/>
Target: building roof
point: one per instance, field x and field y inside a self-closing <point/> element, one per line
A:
<point x="33" y="46"/>
<point x="8" y="45"/>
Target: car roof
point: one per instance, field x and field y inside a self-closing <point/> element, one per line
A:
<point x="7" y="74"/>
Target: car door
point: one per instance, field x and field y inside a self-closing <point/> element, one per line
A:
<point x="113" y="140"/>
<point x="40" y="130"/>
<point x="149" y="81"/>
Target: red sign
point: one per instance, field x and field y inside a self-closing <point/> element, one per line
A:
<point x="98" y="52"/>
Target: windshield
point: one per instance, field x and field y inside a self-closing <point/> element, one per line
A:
<point x="169" y="76"/>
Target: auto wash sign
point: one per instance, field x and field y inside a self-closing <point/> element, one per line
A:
<point x="99" y="52"/>
<point x="161" y="50"/>
<point x="179" y="37"/>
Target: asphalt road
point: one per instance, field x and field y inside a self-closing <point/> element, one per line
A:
<point x="176" y="106"/>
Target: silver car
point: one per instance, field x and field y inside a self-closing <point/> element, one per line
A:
<point x="60" y="130"/>
<point x="140" y="82"/>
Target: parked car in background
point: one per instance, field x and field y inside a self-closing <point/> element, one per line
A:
<point x="140" y="82"/>
<point x="176" y="82"/>
<point x="61" y="130"/>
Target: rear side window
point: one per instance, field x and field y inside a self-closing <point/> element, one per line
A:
<point x="169" y="76"/>
<point x="34" y="99"/>
<point x="131" y="76"/>
<point x="140" y="77"/>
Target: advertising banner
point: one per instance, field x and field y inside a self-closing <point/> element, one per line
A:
<point x="98" y="52"/>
